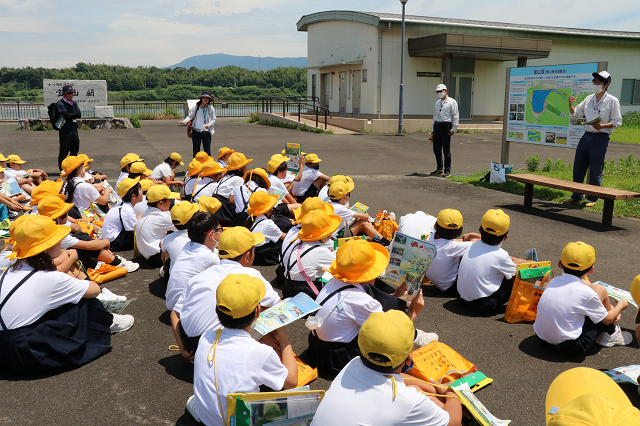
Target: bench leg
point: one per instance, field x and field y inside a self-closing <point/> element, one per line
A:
<point x="607" y="213"/>
<point x="528" y="195"/>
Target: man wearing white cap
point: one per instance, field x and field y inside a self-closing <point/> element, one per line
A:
<point x="445" y="122"/>
<point x="592" y="147"/>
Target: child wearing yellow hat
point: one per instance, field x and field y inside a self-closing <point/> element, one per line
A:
<point x="281" y="178"/>
<point x="164" y="171"/>
<point x="191" y="179"/>
<point x="486" y="272"/>
<point x="125" y="165"/>
<point x="324" y="192"/>
<point x="384" y="395"/>
<point x="254" y="180"/>
<point x="154" y="224"/>
<point x="223" y="156"/>
<point x="207" y="182"/>
<point x="339" y="195"/>
<point x="120" y="221"/>
<point x="572" y="316"/>
<point x="260" y="211"/>
<point x="28" y="179"/>
<point x="78" y="191"/>
<point x="141" y="207"/>
<point x="93" y="177"/>
<point x="49" y="320"/>
<point x="230" y="360"/>
<point x="312" y="179"/>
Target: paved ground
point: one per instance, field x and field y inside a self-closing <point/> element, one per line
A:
<point x="141" y="381"/>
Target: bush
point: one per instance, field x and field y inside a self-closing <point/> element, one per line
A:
<point x="135" y="121"/>
<point x="631" y="119"/>
<point x="532" y="162"/>
<point x="40" y="127"/>
<point x="559" y="164"/>
<point x="254" y="117"/>
<point x="548" y="165"/>
<point x="146" y="116"/>
<point x="171" y="112"/>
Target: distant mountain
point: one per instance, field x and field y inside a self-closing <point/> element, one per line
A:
<point x="218" y="60"/>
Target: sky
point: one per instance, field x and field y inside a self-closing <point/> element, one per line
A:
<point x="61" y="33"/>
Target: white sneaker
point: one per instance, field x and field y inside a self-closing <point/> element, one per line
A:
<point x="161" y="272"/>
<point x="121" y="323"/>
<point x="12" y="214"/>
<point x="109" y="295"/>
<point x="393" y="216"/>
<point x="618" y="338"/>
<point x="423" y="339"/>
<point x="191" y="408"/>
<point x="127" y="264"/>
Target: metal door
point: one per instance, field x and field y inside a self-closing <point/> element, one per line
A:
<point x="342" y="93"/>
<point x="462" y="92"/>
<point x="325" y="95"/>
<point x="355" y="96"/>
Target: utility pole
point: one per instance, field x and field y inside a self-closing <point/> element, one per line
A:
<point x="401" y="112"/>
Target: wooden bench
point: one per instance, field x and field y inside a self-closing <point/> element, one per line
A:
<point x="609" y="195"/>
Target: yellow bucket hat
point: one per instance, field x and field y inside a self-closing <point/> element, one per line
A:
<point x="358" y="261"/>
<point x="260" y="203"/>
<point x="312" y="203"/>
<point x="237" y="161"/>
<point x="236" y="241"/>
<point x="3" y="158"/>
<point x="238" y="295"/>
<point x="176" y="157"/>
<point x="387" y="333"/>
<point x="224" y="151"/>
<point x="146" y="184"/>
<point x="53" y="207"/>
<point x="578" y="256"/>
<point x="70" y="163"/>
<point x="496" y="222"/>
<point x="337" y="190"/>
<point x="312" y="158"/>
<point x="34" y="234"/>
<point x="15" y="159"/>
<point x="450" y="219"/>
<point x="160" y="192"/>
<point x="195" y="167"/>
<point x="201" y="157"/>
<point x="45" y="189"/>
<point x="317" y="225"/>
<point x="128" y="159"/>
<point x="182" y="212"/>
<point x="584" y="396"/>
<point x="208" y="204"/>
<point x="85" y="159"/>
<point x="126" y="184"/>
<point x="139" y="168"/>
<point x="260" y="172"/>
<point x="211" y="168"/>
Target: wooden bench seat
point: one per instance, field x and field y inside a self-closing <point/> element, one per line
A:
<point x="609" y="195"/>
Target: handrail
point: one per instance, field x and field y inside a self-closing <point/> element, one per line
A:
<point x="268" y="102"/>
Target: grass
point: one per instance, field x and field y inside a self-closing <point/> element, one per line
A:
<point x="626" y="134"/>
<point x="623" y="175"/>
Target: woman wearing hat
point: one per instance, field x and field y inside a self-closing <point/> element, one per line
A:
<point x="202" y="117"/>
<point x="49" y="320"/>
<point x="78" y="191"/>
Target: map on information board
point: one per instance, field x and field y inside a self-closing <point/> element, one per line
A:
<point x="539" y="103"/>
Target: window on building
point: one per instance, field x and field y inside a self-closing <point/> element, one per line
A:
<point x="630" y="94"/>
<point x="364" y="76"/>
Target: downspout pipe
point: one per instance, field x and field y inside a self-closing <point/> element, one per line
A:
<point x="380" y="71"/>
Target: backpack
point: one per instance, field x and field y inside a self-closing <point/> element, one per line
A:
<point x="54" y="114"/>
<point x="385" y="225"/>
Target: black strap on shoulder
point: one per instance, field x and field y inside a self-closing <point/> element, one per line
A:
<point x="24" y="280"/>
<point x="196" y="194"/>
<point x="245" y="201"/>
<point x="336" y="292"/>
<point x="221" y="182"/>
<point x="254" y="225"/>
<point x="120" y="213"/>
<point x="296" y="258"/>
<point x="285" y="251"/>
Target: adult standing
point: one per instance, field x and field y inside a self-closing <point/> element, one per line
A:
<point x="68" y="134"/>
<point x="445" y="123"/>
<point x="202" y="117"/>
<point x="593" y="145"/>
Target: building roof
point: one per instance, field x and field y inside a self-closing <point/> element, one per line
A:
<point x="375" y="19"/>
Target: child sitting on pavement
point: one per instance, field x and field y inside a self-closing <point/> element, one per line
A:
<point x="277" y="169"/>
<point x="164" y="171"/>
<point x="14" y="169"/>
<point x="120" y="221"/>
<point x="154" y="224"/>
<point x="191" y="179"/>
<point x="125" y="165"/>
<point x="312" y="179"/>
<point x="261" y="210"/>
<point x="324" y="192"/>
<point x="207" y="182"/>
<point x="223" y="156"/>
<point x="141" y="207"/>
<point x="573" y="314"/>
<point x="254" y="180"/>
<point x="486" y="272"/>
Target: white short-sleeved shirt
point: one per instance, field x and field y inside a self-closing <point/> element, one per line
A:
<point x="242" y="193"/>
<point x="43" y="292"/>
<point x="226" y="185"/>
<point x="196" y="305"/>
<point x="343" y="325"/>
<point x="267" y="227"/>
<point x="222" y="163"/>
<point x="141" y="207"/>
<point x="4" y="262"/>
<point x="68" y="241"/>
<point x="151" y="229"/>
<point x="482" y="270"/>
<point x="161" y="171"/>
<point x="324" y="194"/>
<point x="361" y="396"/>
<point x="276" y="182"/>
<point x="608" y="109"/>
<point x="417" y="224"/>
<point x="313" y="263"/>
<point x="123" y="175"/>
<point x="11" y="173"/>
<point x="193" y="259"/>
<point x="563" y="307"/>
<point x="344" y="212"/>
<point x="443" y="271"/>
<point x="190" y="184"/>
<point x="309" y="176"/>
<point x="205" y="186"/>
<point x="111" y="226"/>
<point x="173" y="244"/>
<point x="84" y="194"/>
<point x="241" y="365"/>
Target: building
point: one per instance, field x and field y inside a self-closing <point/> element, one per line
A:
<point x="354" y="61"/>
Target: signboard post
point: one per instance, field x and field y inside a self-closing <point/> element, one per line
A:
<point x="537" y="104"/>
<point x="87" y="93"/>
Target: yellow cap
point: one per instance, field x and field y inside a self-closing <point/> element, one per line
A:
<point x="311" y="203"/>
<point x="358" y="261"/>
<point x="584" y="396"/>
<point x="208" y="204"/>
<point x="85" y="159"/>
<point x="45" y="189"/>
<point x="139" y="168"/>
<point x="237" y="161"/>
<point x="260" y="172"/>
<point x="15" y="159"/>
<point x="201" y="157"/>
<point x="34" y="234"/>
<point x="317" y="225"/>
<point x="126" y="184"/>
<point x="3" y="158"/>
<point x="210" y="168"/>
<point x="390" y="334"/>
<point x="128" y="159"/>
<point x="339" y="178"/>
<point x="176" y="157"/>
<point x="224" y="151"/>
<point x="275" y="162"/>
<point x="496" y="222"/>
<point x="238" y="295"/>
<point x="338" y="190"/>
<point x="182" y="212"/>
<point x="260" y="203"/>
<point x="53" y="207"/>
<point x="449" y="219"/>
<point x="146" y="184"/>
<point x="236" y="241"/>
<point x="578" y="256"/>
<point x="70" y="163"/>
<point x="160" y="192"/>
<point x="635" y="293"/>
<point x="312" y="158"/>
<point x="2" y="169"/>
<point x="195" y="167"/>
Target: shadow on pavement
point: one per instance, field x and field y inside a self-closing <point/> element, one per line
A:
<point x="178" y="367"/>
<point x="455" y="307"/>
<point x="532" y="347"/>
<point x="165" y="318"/>
<point x="158" y="288"/>
<point x="555" y="212"/>
<point x="187" y="420"/>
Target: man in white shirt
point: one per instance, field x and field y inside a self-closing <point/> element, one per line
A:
<point x="592" y="147"/>
<point x="120" y="221"/>
<point x="154" y="223"/>
<point x="371" y="389"/>
<point x="312" y="179"/>
<point x="445" y="123"/>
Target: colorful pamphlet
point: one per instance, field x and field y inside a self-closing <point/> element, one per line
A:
<point x="477" y="408"/>
<point x="531" y="255"/>
<point x="60" y="122"/>
<point x="295" y="407"/>
<point x="10" y="187"/>
<point x="114" y="197"/>
<point x="593" y="121"/>
<point x="283" y="313"/>
<point x="628" y="374"/>
<point x="410" y="259"/>
<point x="340" y="241"/>
<point x="359" y="208"/>
<point x="115" y="306"/>
<point x="279" y="192"/>
<point x="94" y="212"/>
<point x="293" y="151"/>
<point x="618" y="293"/>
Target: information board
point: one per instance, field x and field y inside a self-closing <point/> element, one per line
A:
<point x="538" y="103"/>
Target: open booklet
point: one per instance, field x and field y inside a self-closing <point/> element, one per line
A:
<point x="293" y="151"/>
<point x="628" y="374"/>
<point x="10" y="187"/>
<point x="279" y="192"/>
<point x="618" y="293"/>
<point x="286" y="408"/>
<point x="359" y="208"/>
<point x="115" y="306"/>
<point x="410" y="259"/>
<point x="283" y="313"/>
<point x="593" y="121"/>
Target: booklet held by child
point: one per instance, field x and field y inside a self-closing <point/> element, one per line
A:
<point x="477" y="408"/>
<point x="410" y="259"/>
<point x="283" y="313"/>
<point x="628" y="374"/>
<point x="279" y="192"/>
<point x="10" y="187"/>
<point x="618" y="293"/>
<point x="293" y="151"/>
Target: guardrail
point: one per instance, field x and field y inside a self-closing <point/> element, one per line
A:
<point x="286" y="105"/>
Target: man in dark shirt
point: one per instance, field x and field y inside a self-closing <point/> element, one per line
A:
<point x="70" y="111"/>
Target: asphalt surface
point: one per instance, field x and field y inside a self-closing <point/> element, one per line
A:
<point x="141" y="382"/>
